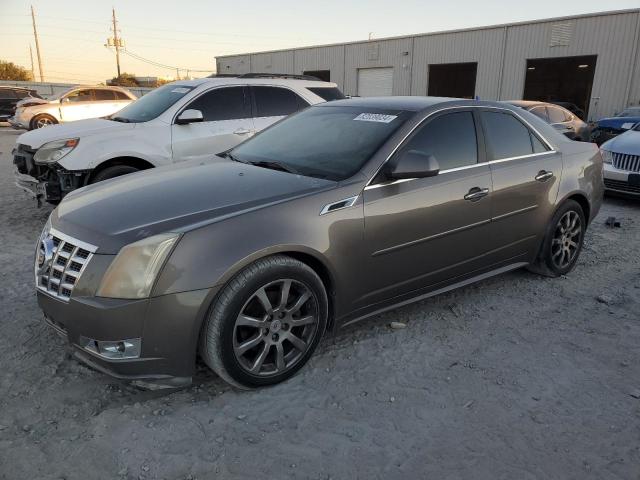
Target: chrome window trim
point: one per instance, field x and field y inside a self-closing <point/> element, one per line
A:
<point x="546" y="143"/>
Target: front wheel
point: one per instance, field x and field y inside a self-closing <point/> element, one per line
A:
<point x="563" y="241"/>
<point x="113" y="172"/>
<point x="265" y="323"/>
<point x="41" y="121"/>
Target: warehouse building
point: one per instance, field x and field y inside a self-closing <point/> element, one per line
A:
<point x="590" y="60"/>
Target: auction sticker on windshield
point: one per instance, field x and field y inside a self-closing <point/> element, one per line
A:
<point x="376" y="117"/>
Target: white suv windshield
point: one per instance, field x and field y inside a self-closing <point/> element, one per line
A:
<point x="152" y="104"/>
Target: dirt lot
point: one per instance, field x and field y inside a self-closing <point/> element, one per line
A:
<point x="517" y="377"/>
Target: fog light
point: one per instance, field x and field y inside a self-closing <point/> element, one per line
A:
<point x="113" y="350"/>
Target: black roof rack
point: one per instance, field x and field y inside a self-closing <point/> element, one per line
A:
<point x="279" y="75"/>
<point x="219" y="75"/>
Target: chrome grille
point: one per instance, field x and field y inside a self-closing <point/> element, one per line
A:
<point x="629" y="163"/>
<point x="59" y="269"/>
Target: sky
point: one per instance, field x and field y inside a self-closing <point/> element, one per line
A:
<point x="189" y="34"/>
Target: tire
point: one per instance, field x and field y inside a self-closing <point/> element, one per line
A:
<point x="41" y="121"/>
<point x="562" y="242"/>
<point x="113" y="172"/>
<point x="239" y="328"/>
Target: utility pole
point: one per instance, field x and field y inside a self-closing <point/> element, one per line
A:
<point x="116" y="41"/>
<point x="35" y="34"/>
<point x="33" y="72"/>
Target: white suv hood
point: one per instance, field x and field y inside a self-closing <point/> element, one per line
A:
<point x="81" y="128"/>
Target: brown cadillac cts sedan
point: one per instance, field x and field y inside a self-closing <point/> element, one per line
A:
<point x="337" y="213"/>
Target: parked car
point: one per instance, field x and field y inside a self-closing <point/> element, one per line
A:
<point x="337" y="213"/>
<point x="560" y="118"/>
<point x="608" y="128"/>
<point x="77" y="103"/>
<point x="191" y="119"/>
<point x="621" y="157"/>
<point x="10" y="96"/>
<point x="573" y="108"/>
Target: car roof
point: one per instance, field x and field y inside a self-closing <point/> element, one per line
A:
<point x="411" y="104"/>
<point x="254" y="81"/>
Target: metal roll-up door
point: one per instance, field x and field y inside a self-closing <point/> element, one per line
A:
<point x="375" y="82"/>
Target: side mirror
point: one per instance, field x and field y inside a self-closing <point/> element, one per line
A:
<point x="189" y="116"/>
<point x="414" y="164"/>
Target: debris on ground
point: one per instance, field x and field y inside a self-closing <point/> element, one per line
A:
<point x="612" y="222"/>
<point x="398" y="325"/>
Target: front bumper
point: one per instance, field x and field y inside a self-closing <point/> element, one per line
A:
<point x="168" y="326"/>
<point x="17" y="124"/>
<point x="621" y="181"/>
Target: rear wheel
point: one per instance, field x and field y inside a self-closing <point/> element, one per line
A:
<point x="41" y="121"/>
<point x="265" y="323"/>
<point x="112" y="172"/>
<point x="563" y="241"/>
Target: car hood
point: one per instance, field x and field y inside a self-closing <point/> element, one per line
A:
<point x="627" y="143"/>
<point x="617" y="122"/>
<point x="81" y="128"/>
<point x="176" y="198"/>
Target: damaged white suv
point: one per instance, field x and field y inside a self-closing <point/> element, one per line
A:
<point x="185" y="120"/>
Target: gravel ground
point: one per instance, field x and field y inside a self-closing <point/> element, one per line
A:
<point x="517" y="377"/>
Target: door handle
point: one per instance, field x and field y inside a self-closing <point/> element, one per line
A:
<point x="242" y="131"/>
<point x="476" y="193"/>
<point x="544" y="175"/>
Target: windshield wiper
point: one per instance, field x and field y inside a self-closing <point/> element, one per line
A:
<point x="120" y="119"/>
<point x="231" y="156"/>
<point x="275" y="166"/>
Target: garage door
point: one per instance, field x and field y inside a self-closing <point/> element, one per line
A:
<point x="375" y="82"/>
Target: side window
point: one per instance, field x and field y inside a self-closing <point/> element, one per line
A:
<point x="103" y="95"/>
<point x="225" y="103"/>
<point x="538" y="146"/>
<point x="275" y="101"/>
<point x="450" y="138"/>
<point x="556" y="115"/>
<point x="79" y="96"/>
<point x="506" y="136"/>
<point x="121" y="95"/>
<point x="540" y="112"/>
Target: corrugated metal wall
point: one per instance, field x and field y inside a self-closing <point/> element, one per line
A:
<point x="609" y="37"/>
<point x="501" y="53"/>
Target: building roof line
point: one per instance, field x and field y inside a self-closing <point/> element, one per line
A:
<point x="443" y="32"/>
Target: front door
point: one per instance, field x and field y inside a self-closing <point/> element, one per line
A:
<point x="426" y="232"/>
<point x="226" y="123"/>
<point x="77" y="105"/>
<point x="526" y="173"/>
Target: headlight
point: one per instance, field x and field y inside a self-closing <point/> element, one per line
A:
<point x="607" y="156"/>
<point x="53" y="151"/>
<point x="134" y="270"/>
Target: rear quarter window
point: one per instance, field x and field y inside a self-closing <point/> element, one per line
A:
<point x="327" y="93"/>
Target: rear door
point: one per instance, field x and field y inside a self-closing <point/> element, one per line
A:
<point x="105" y="102"/>
<point x="271" y="104"/>
<point x="428" y="231"/>
<point x="77" y="105"/>
<point x="227" y="122"/>
<point x="526" y="173"/>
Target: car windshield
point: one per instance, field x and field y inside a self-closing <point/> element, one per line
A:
<point x="325" y="142"/>
<point x="630" y="112"/>
<point x="152" y="104"/>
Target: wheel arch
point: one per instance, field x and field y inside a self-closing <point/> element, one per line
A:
<point x="582" y="200"/>
<point x="136" y="162"/>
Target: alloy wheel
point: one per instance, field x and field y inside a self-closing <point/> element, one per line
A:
<point x="566" y="241"/>
<point x="43" y="122"/>
<point x="275" y="327"/>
